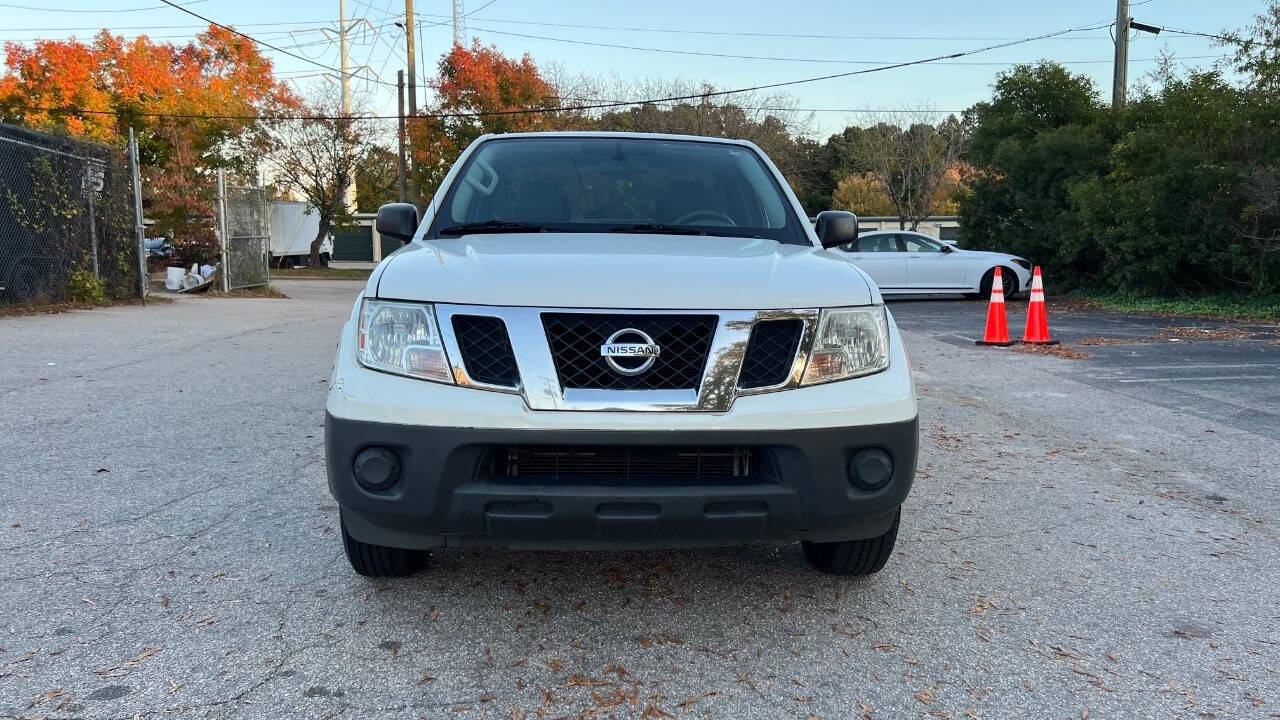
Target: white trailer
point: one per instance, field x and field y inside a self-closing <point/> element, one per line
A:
<point x="293" y="226"/>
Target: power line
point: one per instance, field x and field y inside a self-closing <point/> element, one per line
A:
<point x="117" y="10"/>
<point x="803" y="36"/>
<point x="611" y="103"/>
<point x="303" y="58"/>
<point x="1228" y="39"/>
<point x="703" y="53"/>
<point x="617" y="103"/>
<point x="392" y="50"/>
<point x="157" y="27"/>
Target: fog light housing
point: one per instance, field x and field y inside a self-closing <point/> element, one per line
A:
<point x="376" y="468"/>
<point x="870" y="469"/>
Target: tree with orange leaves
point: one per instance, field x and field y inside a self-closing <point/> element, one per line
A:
<point x="195" y="108"/>
<point x="479" y="90"/>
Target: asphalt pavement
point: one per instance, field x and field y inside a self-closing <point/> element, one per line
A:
<point x="1075" y="546"/>
<point x="1225" y="373"/>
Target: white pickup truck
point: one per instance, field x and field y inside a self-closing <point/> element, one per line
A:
<point x="600" y="340"/>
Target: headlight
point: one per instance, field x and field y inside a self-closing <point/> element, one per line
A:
<point x="850" y="342"/>
<point x="1025" y="265"/>
<point x="402" y="338"/>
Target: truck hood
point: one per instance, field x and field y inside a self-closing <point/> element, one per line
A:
<point x="610" y="270"/>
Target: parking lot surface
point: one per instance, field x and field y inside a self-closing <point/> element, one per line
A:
<point x="1087" y="538"/>
<point x="1226" y="372"/>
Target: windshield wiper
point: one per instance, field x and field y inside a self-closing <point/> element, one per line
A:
<point x="493" y="226"/>
<point x="657" y="229"/>
<point x="661" y="229"/>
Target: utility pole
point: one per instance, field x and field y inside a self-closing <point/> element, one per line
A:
<point x="349" y="194"/>
<point x="1120" y="81"/>
<point x="411" y="57"/>
<point x="138" y="226"/>
<point x="410" y="29"/>
<point x="400" y="168"/>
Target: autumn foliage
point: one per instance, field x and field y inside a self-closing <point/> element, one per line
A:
<point x="485" y="86"/>
<point x="864" y="194"/>
<point x="194" y="107"/>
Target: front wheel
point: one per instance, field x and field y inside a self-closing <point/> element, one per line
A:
<point x="1008" y="281"/>
<point x="379" y="561"/>
<point x="853" y="557"/>
<point x="324" y="259"/>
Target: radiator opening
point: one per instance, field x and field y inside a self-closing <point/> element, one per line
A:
<point x="624" y="462"/>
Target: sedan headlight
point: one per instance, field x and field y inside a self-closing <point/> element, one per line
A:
<point x="1024" y="264"/>
<point x="850" y="342"/>
<point x="402" y="338"/>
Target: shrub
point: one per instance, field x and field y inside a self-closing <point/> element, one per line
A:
<point x="83" y="287"/>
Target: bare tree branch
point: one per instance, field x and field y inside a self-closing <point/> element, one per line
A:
<point x="316" y="160"/>
<point x="910" y="160"/>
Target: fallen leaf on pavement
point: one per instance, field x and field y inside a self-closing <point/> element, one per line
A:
<point x="45" y="697"/>
<point x="123" y="668"/>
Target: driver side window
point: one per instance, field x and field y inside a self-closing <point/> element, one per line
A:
<point x="918" y="244"/>
<point x="878" y="243"/>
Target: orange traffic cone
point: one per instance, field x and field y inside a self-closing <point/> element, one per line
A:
<point x="1037" y="332"/>
<point x="997" y="332"/>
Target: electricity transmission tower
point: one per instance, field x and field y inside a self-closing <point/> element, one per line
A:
<point x="459" y="23"/>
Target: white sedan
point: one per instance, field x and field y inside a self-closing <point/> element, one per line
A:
<point x="909" y="263"/>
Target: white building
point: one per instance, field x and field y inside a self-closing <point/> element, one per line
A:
<point x="944" y="227"/>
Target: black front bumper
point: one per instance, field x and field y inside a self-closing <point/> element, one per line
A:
<point x="447" y="497"/>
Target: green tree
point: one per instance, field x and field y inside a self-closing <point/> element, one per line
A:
<point x="1161" y="218"/>
<point x="377" y="178"/>
<point x="1042" y="134"/>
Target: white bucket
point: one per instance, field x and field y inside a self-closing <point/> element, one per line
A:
<point x="173" y="277"/>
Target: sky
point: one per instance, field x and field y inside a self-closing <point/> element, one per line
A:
<point x="779" y="37"/>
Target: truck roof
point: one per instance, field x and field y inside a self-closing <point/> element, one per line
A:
<point x="618" y="135"/>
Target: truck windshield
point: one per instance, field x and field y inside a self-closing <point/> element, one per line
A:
<point x="619" y="185"/>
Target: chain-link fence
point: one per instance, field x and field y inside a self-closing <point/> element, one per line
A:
<point x="245" y="226"/>
<point x="67" y="223"/>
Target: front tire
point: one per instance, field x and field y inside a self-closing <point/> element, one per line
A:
<point x="324" y="259"/>
<point x="1008" y="280"/>
<point x="379" y="561"/>
<point x="853" y="557"/>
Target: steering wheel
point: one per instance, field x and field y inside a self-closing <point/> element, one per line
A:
<point x="687" y="218"/>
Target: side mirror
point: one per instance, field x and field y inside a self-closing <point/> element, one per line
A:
<point x="397" y="220"/>
<point x="836" y="228"/>
<point x="947" y="248"/>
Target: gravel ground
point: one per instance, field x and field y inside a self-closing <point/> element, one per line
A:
<point x="168" y="548"/>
